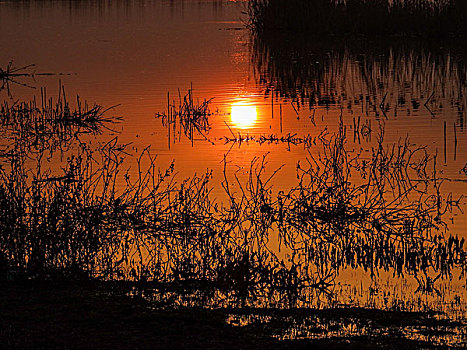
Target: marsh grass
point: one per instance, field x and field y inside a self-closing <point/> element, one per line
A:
<point x="357" y="17"/>
<point x="97" y="219"/>
<point x="10" y="75"/>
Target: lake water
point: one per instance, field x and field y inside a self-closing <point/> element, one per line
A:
<point x="137" y="55"/>
<point x="133" y="53"/>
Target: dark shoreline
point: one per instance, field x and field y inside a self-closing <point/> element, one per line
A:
<point x="361" y="17"/>
<point x="85" y="315"/>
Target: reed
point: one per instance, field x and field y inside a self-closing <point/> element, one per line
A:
<point x="12" y="75"/>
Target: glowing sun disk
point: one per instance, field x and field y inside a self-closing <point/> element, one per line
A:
<point x="243" y="115"/>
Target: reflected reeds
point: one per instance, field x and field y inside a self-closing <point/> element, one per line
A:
<point x="12" y="75"/>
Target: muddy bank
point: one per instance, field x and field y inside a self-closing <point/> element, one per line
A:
<point x="98" y="315"/>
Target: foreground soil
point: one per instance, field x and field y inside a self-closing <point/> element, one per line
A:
<point x="46" y="315"/>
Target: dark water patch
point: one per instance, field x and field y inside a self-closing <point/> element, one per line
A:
<point x="357" y="17"/>
<point x="88" y="317"/>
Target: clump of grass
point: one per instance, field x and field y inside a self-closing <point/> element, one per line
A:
<point x="368" y="17"/>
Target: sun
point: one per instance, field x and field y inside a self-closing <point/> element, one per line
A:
<point x="243" y="114"/>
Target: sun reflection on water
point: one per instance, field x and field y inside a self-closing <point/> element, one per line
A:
<point x="243" y="114"/>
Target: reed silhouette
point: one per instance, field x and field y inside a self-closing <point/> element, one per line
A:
<point x="12" y="75"/>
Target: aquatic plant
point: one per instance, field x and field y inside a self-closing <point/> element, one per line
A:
<point x="107" y="215"/>
<point x="11" y="75"/>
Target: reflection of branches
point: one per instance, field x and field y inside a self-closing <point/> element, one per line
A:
<point x="386" y="221"/>
<point x="10" y="74"/>
<point x="290" y="139"/>
<point x="426" y="284"/>
<point x="464" y="169"/>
